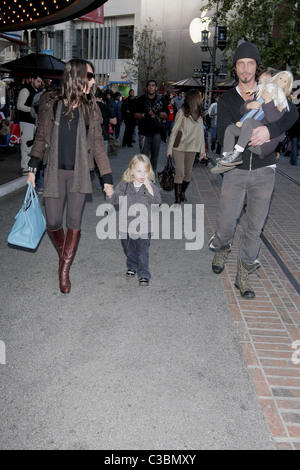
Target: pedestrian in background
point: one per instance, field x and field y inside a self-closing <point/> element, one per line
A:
<point x="151" y="110"/>
<point x="186" y="139"/>
<point x="171" y="116"/>
<point x="118" y="113"/>
<point x="27" y="122"/>
<point x="213" y="112"/>
<point x="178" y="101"/>
<point x="129" y="120"/>
<point x="294" y="135"/>
<point x="109" y="118"/>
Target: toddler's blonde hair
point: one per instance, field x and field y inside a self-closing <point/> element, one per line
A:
<point x="128" y="177"/>
<point x="274" y="81"/>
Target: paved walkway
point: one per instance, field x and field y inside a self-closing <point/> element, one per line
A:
<point x="184" y="364"/>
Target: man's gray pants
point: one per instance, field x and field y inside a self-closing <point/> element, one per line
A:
<point x="256" y="187"/>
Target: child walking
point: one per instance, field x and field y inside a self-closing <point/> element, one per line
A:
<point x="138" y="190"/>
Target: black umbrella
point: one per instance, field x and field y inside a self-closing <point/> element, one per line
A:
<point x="47" y="65"/>
<point x="4" y="70"/>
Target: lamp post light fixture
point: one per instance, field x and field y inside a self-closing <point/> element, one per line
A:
<point x="40" y="34"/>
<point x="204" y="34"/>
<point x="223" y="68"/>
<point x="204" y="40"/>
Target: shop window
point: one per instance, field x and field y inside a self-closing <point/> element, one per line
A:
<point x="125" y="42"/>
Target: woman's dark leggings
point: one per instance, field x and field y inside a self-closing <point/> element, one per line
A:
<point x="55" y="206"/>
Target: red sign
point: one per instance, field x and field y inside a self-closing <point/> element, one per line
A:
<point x="97" y="16"/>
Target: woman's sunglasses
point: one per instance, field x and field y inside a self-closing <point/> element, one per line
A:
<point x="90" y="76"/>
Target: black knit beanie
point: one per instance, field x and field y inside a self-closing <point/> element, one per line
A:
<point x="246" y="50"/>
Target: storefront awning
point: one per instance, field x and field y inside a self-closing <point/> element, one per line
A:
<point x="7" y="40"/>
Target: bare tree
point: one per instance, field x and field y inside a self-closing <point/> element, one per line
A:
<point x="149" y="57"/>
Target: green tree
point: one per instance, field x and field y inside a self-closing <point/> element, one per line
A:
<point x="274" y="26"/>
<point x="149" y="56"/>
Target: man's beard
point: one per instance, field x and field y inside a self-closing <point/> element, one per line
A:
<point x="246" y="79"/>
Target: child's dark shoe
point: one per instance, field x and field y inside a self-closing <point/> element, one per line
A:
<point x="144" y="282"/>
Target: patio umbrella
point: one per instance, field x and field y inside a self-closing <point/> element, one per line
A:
<point x="190" y="82"/>
<point x="47" y="65"/>
<point x="228" y="83"/>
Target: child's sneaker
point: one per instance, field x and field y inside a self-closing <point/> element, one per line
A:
<point x="231" y="158"/>
<point x="130" y="273"/>
<point x="218" y="168"/>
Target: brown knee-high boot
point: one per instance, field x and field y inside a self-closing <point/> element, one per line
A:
<point x="58" y="238"/>
<point x="69" y="250"/>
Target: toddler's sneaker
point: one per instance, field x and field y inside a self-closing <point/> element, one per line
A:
<point x="130" y="273"/>
<point x="232" y="158"/>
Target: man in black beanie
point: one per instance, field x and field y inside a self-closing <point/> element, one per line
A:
<point x="254" y="179"/>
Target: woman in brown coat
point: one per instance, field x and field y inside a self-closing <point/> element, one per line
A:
<point x="68" y="140"/>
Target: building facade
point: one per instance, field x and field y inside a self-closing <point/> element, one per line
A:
<point x="108" y="45"/>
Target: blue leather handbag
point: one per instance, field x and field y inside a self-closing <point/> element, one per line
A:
<point x="30" y="223"/>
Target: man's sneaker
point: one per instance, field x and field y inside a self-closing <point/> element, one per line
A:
<point x="220" y="258"/>
<point x="144" y="282"/>
<point x="24" y="171"/>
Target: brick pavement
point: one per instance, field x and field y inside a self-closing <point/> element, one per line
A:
<point x="269" y="324"/>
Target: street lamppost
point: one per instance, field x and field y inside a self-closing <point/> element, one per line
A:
<point x="202" y="35"/>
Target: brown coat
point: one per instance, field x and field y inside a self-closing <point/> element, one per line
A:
<point x="89" y="147"/>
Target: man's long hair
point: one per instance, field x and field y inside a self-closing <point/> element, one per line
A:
<point x="74" y="83"/>
<point x="192" y="105"/>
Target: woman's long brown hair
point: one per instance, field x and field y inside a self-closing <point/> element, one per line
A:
<point x="192" y="105"/>
<point x="74" y="83"/>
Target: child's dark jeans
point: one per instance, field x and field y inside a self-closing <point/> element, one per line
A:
<point x="137" y="253"/>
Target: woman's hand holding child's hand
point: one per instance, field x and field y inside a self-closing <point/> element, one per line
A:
<point x="108" y="189"/>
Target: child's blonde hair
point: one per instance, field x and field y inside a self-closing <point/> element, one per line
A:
<point x="273" y="81"/>
<point x="128" y="176"/>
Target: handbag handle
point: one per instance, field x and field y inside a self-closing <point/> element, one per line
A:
<point x="170" y="165"/>
<point x="30" y="197"/>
